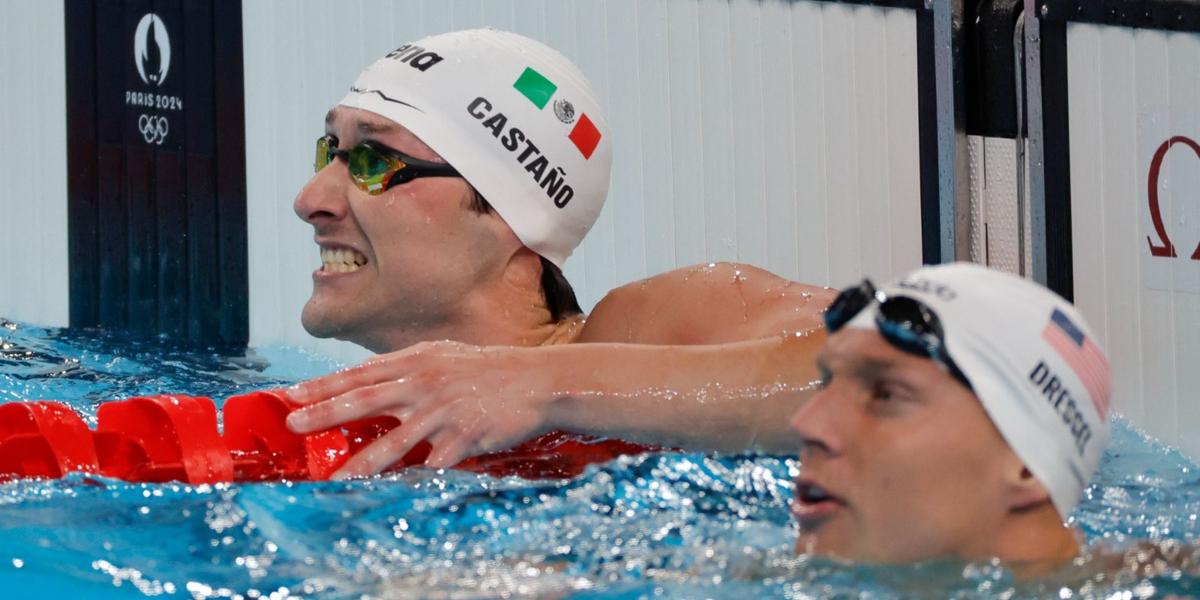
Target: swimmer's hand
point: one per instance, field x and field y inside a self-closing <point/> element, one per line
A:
<point x="468" y="400"/>
<point x="464" y="400"/>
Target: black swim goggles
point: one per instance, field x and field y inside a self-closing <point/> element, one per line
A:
<point x="375" y="167"/>
<point x="905" y="322"/>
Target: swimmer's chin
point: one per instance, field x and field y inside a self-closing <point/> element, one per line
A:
<point x="810" y="544"/>
<point x="326" y="329"/>
<point x="1048" y="562"/>
<point x="320" y="326"/>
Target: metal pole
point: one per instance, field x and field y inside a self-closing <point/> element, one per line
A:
<point x="953" y="162"/>
<point x="1019" y="71"/>
<point x="1037" y="172"/>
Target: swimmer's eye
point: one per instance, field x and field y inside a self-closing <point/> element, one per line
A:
<point x="890" y="398"/>
<point x="882" y="393"/>
<point x="826" y="377"/>
<point x="884" y="401"/>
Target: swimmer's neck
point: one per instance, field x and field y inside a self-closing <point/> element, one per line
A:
<point x="510" y="312"/>
<point x="1056" y="555"/>
<point x="530" y="325"/>
<point x="1035" y="543"/>
<point x="492" y="330"/>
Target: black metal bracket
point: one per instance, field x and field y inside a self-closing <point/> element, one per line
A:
<point x="991" y="68"/>
<point x="1172" y="15"/>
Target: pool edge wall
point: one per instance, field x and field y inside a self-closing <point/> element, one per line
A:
<point x="1135" y="190"/>
<point x="33" y="158"/>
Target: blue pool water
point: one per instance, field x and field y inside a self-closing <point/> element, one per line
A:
<point x="660" y="525"/>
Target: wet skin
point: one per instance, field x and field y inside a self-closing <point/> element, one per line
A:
<point x="451" y="299"/>
<point x="910" y="462"/>
<point x="914" y="467"/>
<point x="425" y="250"/>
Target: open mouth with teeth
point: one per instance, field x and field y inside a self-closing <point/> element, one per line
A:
<point x="341" y="260"/>
<point x="813" y="501"/>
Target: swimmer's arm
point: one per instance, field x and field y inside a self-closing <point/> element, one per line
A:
<point x="469" y="400"/>
<point x="727" y="397"/>
<point x="734" y="344"/>
<point x="706" y="304"/>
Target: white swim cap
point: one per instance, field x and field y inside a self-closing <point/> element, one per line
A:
<point x="516" y="118"/>
<point x="1032" y="362"/>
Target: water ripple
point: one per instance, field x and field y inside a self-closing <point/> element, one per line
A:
<point x="658" y="525"/>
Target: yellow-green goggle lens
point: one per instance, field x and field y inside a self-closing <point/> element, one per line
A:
<point x="371" y="169"/>
<point x="324" y="154"/>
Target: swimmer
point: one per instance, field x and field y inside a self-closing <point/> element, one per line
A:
<point x="961" y="413"/>
<point x="452" y="183"/>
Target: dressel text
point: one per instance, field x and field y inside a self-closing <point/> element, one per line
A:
<point x="1059" y="397"/>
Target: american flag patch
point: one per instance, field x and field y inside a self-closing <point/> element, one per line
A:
<point x="1083" y="355"/>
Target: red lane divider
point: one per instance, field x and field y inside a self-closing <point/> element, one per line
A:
<point x="263" y="448"/>
<point x="43" y="439"/>
<point x="175" y="438"/>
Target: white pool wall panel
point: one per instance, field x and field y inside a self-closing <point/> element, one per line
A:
<point x="782" y="134"/>
<point x="1128" y="92"/>
<point x="33" y="162"/>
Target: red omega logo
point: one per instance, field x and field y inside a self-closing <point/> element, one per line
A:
<point x="1165" y="247"/>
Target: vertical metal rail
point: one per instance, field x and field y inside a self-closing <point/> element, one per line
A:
<point x="953" y="162"/>
<point x="1019" y="139"/>
<point x="1037" y="158"/>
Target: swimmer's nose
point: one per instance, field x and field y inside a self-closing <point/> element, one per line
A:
<point x="323" y="198"/>
<point x="819" y="424"/>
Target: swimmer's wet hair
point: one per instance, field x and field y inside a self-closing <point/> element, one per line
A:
<point x="559" y="295"/>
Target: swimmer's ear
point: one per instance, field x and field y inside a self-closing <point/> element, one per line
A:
<point x="1024" y="490"/>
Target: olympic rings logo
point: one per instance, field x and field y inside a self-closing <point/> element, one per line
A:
<point x="154" y="128"/>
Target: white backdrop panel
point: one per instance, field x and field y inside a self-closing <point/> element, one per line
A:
<point x="1130" y="91"/>
<point x="782" y="134"/>
<point x="33" y="158"/>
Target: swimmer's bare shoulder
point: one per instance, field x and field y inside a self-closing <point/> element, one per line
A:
<point x="706" y="304"/>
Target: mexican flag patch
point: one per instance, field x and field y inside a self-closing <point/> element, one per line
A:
<point x="540" y="90"/>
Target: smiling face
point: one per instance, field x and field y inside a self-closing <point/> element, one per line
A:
<point x="398" y="262"/>
<point x="900" y="461"/>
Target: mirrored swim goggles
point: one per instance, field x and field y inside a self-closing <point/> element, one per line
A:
<point x="906" y="323"/>
<point x="375" y="168"/>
